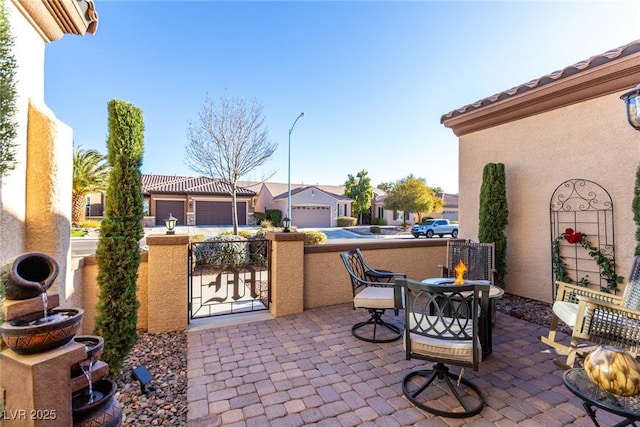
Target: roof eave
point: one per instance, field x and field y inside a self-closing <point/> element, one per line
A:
<point x="605" y="79"/>
<point x="52" y="19"/>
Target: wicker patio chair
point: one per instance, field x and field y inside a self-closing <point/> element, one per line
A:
<point x="596" y="318"/>
<point x="373" y="290"/>
<point x="479" y="258"/>
<point x="442" y="325"/>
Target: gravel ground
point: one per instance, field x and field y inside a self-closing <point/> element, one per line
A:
<point x="165" y="400"/>
<point x="165" y="356"/>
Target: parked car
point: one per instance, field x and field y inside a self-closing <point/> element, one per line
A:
<point x="433" y="227"/>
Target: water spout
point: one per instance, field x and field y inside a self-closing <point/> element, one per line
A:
<point x="45" y="301"/>
<point x="87" y="368"/>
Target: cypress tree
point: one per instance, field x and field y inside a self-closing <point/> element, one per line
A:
<point x="494" y="215"/>
<point x="8" y="94"/>
<point x="118" y="253"/>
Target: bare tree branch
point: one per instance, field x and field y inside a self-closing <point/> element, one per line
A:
<point x="228" y="141"/>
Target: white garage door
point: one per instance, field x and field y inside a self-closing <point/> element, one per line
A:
<point x="311" y="216"/>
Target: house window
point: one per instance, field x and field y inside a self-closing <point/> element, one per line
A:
<point x="341" y="209"/>
<point x="380" y="212"/>
<point x="88" y="206"/>
<point x="399" y="215"/>
<point x="145" y="207"/>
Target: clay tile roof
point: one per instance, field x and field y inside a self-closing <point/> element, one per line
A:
<point x="190" y="185"/>
<point x="297" y="190"/>
<point x="54" y="18"/>
<point x="582" y="66"/>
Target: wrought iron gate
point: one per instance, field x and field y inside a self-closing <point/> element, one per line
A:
<point x="228" y="276"/>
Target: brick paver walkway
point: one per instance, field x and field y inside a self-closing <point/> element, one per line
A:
<point x="307" y="369"/>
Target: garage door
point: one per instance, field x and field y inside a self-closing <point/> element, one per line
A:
<point x="164" y="208"/>
<point x="311" y="216"/>
<point x="219" y="213"/>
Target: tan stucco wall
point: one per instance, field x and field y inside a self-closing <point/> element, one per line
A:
<point x="86" y="282"/>
<point x="167" y="283"/>
<point x="302" y="277"/>
<point x="326" y="281"/>
<point x="589" y="140"/>
<point x="287" y="273"/>
<point x="36" y="197"/>
<point x="48" y="195"/>
<point x="29" y="54"/>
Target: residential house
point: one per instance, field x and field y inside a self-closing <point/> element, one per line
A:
<point x="312" y="206"/>
<point x="206" y="201"/>
<point x="393" y="217"/>
<point x="194" y="200"/>
<point x="35" y="198"/>
<point x="565" y="126"/>
<point x="449" y="208"/>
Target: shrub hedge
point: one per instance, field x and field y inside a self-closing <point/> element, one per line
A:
<point x="347" y="221"/>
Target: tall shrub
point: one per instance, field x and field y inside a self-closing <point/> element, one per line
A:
<point x="494" y="215"/>
<point x="117" y="253"/>
<point x="8" y="94"/>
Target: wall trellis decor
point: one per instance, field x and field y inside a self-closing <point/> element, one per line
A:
<point x="585" y="209"/>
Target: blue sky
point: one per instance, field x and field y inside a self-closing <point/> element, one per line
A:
<point x="373" y="78"/>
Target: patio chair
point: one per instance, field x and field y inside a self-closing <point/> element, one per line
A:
<point x="442" y="325"/>
<point x="373" y="290"/>
<point x="479" y="259"/>
<point x="597" y="317"/>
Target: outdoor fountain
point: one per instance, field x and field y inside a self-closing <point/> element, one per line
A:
<point x="50" y="375"/>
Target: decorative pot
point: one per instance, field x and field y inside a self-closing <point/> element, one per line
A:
<point x="104" y="411"/>
<point x="94" y="345"/>
<point x="28" y="275"/>
<point x="32" y="334"/>
<point x="613" y="369"/>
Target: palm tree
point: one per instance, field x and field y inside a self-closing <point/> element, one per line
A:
<point x="90" y="173"/>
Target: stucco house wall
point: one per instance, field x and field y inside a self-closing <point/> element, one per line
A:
<point x="587" y="137"/>
<point x="29" y="54"/>
<point x="35" y="198"/>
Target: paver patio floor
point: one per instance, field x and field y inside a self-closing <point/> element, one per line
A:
<point x="307" y="369"/>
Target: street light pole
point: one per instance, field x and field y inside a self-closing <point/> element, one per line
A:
<point x="289" y="173"/>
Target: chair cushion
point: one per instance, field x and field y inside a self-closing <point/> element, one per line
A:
<point x="455" y="350"/>
<point x="375" y="297"/>
<point x="566" y="311"/>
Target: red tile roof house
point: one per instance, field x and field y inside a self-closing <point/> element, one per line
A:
<point x="194" y="200"/>
<point x="312" y="206"/>
<point x="206" y="201"/>
<point x="567" y="125"/>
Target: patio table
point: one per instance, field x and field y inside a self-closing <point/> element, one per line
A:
<point x="486" y="319"/>
<point x="578" y="383"/>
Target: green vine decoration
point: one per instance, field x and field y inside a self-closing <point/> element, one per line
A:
<point x="606" y="263"/>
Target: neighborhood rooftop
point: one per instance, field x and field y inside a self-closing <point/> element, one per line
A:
<point x="184" y="184"/>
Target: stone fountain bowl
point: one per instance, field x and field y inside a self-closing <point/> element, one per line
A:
<point x="104" y="411"/>
<point x="29" y="334"/>
<point x="94" y="345"/>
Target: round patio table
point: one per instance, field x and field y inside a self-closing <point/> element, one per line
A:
<point x="578" y="383"/>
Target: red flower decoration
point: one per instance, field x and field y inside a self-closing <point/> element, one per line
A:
<point x="572" y="237"/>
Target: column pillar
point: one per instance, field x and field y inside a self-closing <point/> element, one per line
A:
<point x="287" y="273"/>
<point x="167" y="286"/>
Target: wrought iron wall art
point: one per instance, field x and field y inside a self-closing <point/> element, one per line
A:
<point x="582" y="235"/>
